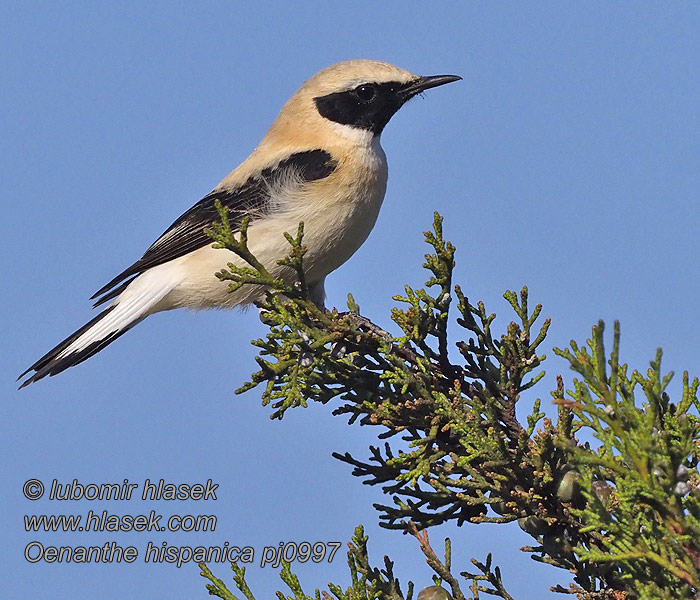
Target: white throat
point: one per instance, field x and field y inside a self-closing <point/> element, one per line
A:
<point x="359" y="137"/>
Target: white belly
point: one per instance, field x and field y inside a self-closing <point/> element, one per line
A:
<point x="336" y="224"/>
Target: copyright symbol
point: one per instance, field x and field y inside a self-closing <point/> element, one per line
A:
<point x="33" y="489"/>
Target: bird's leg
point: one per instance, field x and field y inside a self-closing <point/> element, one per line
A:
<point x="317" y="293"/>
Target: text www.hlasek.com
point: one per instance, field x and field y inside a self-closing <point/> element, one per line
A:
<point x="105" y="522"/>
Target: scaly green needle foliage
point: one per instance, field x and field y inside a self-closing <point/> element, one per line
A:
<point x="367" y="582"/>
<point x="608" y="490"/>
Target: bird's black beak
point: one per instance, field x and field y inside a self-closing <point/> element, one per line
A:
<point x="425" y="83"/>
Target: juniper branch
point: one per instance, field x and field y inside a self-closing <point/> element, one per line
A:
<point x="622" y="513"/>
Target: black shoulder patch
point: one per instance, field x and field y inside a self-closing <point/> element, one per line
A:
<point x="310" y="165"/>
<point x="252" y="198"/>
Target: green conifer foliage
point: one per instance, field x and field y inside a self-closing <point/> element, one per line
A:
<point x="608" y="491"/>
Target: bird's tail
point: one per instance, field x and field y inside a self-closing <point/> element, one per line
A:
<point x="133" y="305"/>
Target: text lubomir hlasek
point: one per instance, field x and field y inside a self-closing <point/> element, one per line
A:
<point x="150" y="490"/>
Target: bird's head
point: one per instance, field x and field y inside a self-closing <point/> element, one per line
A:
<point x="357" y="98"/>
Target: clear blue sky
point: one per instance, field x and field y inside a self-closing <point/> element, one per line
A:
<point x="568" y="160"/>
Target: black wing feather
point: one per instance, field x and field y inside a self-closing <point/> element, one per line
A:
<point x="187" y="233"/>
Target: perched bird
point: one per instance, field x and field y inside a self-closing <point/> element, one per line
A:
<point x="320" y="162"/>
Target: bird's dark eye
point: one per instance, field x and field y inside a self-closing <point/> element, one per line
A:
<point x="366" y="92"/>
